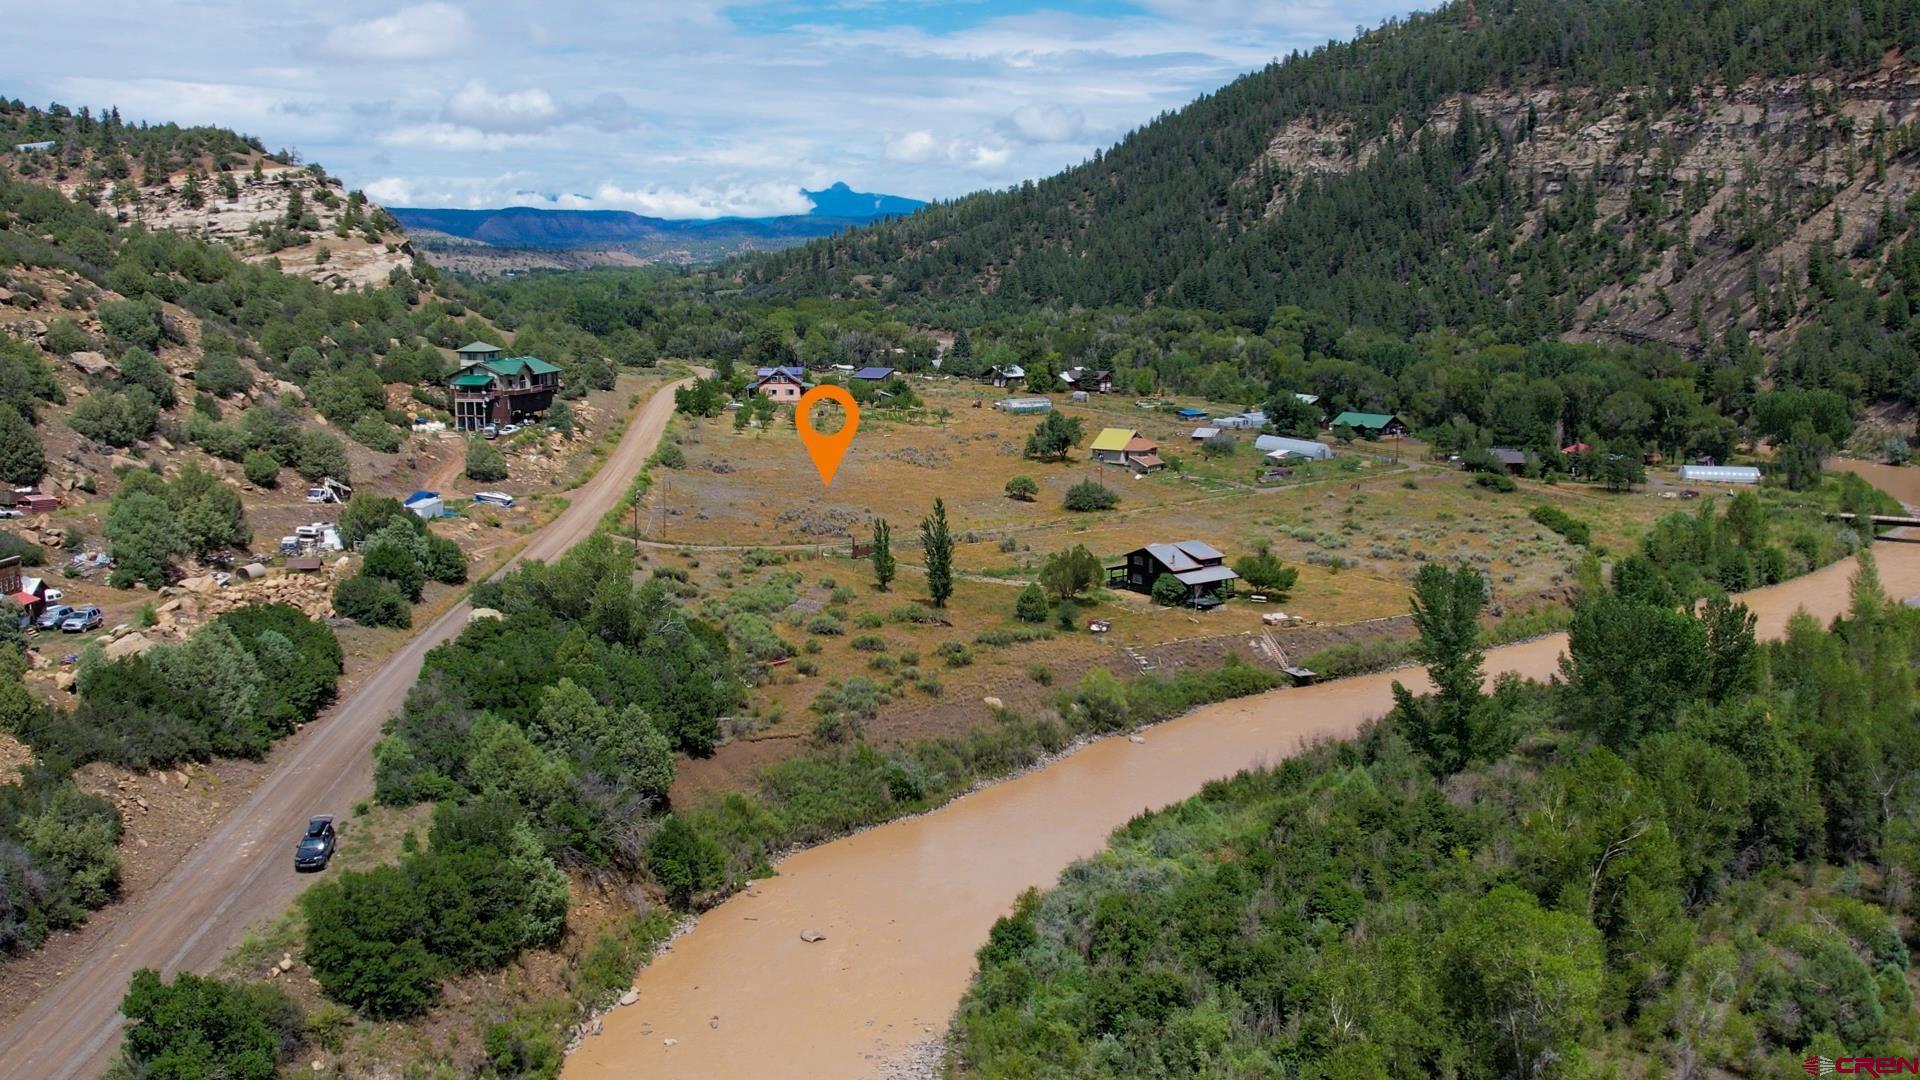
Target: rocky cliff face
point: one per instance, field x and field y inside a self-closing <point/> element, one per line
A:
<point x="348" y="242"/>
<point x="1737" y="185"/>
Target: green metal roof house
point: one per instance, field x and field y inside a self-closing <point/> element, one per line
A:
<point x="1370" y="424"/>
<point x="493" y="389"/>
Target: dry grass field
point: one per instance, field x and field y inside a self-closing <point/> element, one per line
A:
<point x="749" y="524"/>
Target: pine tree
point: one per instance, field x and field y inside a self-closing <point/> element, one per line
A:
<point x="882" y="555"/>
<point x="937" y="541"/>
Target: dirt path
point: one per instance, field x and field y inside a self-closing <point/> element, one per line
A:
<point x="242" y="873"/>
<point x="902" y="907"/>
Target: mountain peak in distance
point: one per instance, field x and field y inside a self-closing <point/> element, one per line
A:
<point x="839" y="200"/>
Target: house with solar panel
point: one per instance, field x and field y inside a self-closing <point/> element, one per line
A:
<point x="491" y="388"/>
<point x="1195" y="564"/>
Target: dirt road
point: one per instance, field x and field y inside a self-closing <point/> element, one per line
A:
<point x="243" y="872"/>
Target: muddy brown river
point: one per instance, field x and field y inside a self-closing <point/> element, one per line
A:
<point x="904" y="906"/>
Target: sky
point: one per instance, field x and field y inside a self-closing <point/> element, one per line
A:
<point x="684" y="109"/>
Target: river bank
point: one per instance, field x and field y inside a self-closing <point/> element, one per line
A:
<point x="904" y="905"/>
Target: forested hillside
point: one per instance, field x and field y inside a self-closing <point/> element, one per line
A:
<point x="1650" y="171"/>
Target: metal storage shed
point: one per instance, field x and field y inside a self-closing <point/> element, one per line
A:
<point x="1720" y="474"/>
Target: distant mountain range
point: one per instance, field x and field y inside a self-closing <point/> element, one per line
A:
<point x="637" y="236"/>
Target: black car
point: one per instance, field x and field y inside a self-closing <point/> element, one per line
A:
<point x="316" y="848"/>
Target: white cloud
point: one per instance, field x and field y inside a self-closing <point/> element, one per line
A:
<point x="412" y="34"/>
<point x="914" y="147"/>
<point x="1047" y="123"/>
<point x="522" y="111"/>
<point x="697" y="201"/>
<point x="921" y="148"/>
<point x="453" y="137"/>
<point x="390" y="191"/>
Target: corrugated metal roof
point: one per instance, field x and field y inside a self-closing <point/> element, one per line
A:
<point x="1370" y="420"/>
<point x="1114" y="438"/>
<point x="1205" y="432"/>
<point x="1200" y="549"/>
<point x="1171" y="557"/>
<point x="1205" y="575"/>
<point x="478" y="347"/>
<point x="874" y="373"/>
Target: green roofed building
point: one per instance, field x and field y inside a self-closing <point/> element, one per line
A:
<point x="490" y="388"/>
<point x="1370" y="424"/>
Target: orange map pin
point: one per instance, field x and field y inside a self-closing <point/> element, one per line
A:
<point x="826" y="450"/>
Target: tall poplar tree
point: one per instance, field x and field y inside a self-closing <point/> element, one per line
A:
<point x="882" y="555"/>
<point x="937" y="540"/>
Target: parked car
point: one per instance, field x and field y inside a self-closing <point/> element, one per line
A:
<point x="490" y="431"/>
<point x="494" y="498"/>
<point x="10" y="512"/>
<point x="315" y="849"/>
<point x="52" y="617"/>
<point x="82" y="619"/>
<point x="319" y="495"/>
<point x="510" y="429"/>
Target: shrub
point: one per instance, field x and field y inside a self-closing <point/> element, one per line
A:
<point x="1091" y="495"/>
<point x="825" y="624"/>
<point x="1573" y="529"/>
<point x="197" y="1026"/>
<point x="670" y="455"/>
<point x="1497" y="481"/>
<point x="64" y="337"/>
<point x="869" y="643"/>
<point x="319" y="454"/>
<point x="30" y="553"/>
<point x="262" y="468"/>
<point x="371" y="601"/>
<point x="1022" y="488"/>
<point x="22" y="460"/>
<point x="484" y="463"/>
<point x="686" y="863"/>
<point x="955" y="653"/>
<point x="376" y="434"/>
<point x="117" y="419"/>
<point x="1031" y="605"/>
<point x="138" y="367"/>
<point x="1168" y="590"/>
<point x="397" y="553"/>
<point x="364" y="943"/>
<point x="222" y="375"/>
<point x="1264" y="571"/>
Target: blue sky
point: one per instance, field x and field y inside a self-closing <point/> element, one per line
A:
<point x="692" y="108"/>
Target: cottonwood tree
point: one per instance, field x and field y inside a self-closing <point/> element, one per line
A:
<point x="1456" y="725"/>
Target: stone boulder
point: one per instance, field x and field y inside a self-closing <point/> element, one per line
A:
<point x="90" y="363"/>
